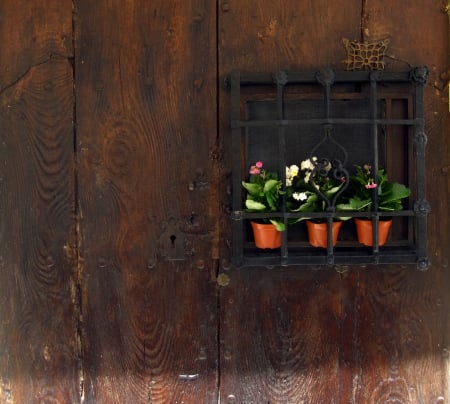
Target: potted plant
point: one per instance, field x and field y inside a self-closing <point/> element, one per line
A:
<point x="264" y="190"/>
<point x="362" y="191"/>
<point x="315" y="187"/>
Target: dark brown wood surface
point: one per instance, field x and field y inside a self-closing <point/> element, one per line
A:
<point x="146" y="132"/>
<point x="364" y="335"/>
<point x="115" y="190"/>
<point x="296" y="322"/>
<point x="38" y="345"/>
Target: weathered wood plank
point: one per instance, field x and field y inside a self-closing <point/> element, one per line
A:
<point x="296" y="323"/>
<point x="146" y="138"/>
<point x="377" y="334"/>
<point x="281" y="336"/>
<point x="418" y="33"/>
<point x="398" y="338"/>
<point x="403" y="321"/>
<point x="287" y="34"/>
<point x="38" y="354"/>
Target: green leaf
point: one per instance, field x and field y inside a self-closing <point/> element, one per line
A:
<point x="344" y="206"/>
<point x="279" y="225"/>
<point x="253" y="189"/>
<point x="271" y="201"/>
<point x="358" y="204"/>
<point x="332" y="191"/>
<point x="253" y="205"/>
<point x="312" y="198"/>
<point x="395" y="192"/>
<point x="269" y="185"/>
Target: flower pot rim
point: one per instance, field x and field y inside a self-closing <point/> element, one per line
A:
<point x="256" y="221"/>
<point x="321" y="221"/>
<point x="369" y="219"/>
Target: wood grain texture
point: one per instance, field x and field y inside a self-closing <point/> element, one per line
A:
<point x="404" y="313"/>
<point x="287" y="347"/>
<point x="146" y="140"/>
<point x="296" y="342"/>
<point x="399" y="334"/>
<point x="38" y="354"/>
<point x="369" y="335"/>
<point x="285" y="34"/>
<point x="152" y="178"/>
<point x="424" y="22"/>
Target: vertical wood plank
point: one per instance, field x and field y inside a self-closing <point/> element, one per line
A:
<point x="284" y="336"/>
<point x="297" y="324"/>
<point x="38" y="344"/>
<point x="385" y="331"/>
<point x="402" y="327"/>
<point x="146" y="146"/>
<point x="285" y="34"/>
<point x="403" y="321"/>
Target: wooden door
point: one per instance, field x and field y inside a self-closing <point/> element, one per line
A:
<point x="115" y="185"/>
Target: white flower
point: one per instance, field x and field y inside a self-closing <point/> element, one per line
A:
<point x="308" y="164"/>
<point x="307" y="175"/>
<point x="300" y="196"/>
<point x="291" y="173"/>
<point x="293" y="169"/>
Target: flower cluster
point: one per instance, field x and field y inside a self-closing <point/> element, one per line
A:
<point x="264" y="191"/>
<point x="360" y="194"/>
<point x="363" y="176"/>
<point x="316" y="185"/>
<point x="292" y="173"/>
<point x="308" y="166"/>
<point x="257" y="168"/>
<point x="313" y="187"/>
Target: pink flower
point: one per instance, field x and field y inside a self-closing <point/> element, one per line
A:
<point x="371" y="185"/>
<point x="259" y="164"/>
<point x="254" y="170"/>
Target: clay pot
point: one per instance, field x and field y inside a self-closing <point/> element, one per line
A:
<point x="318" y="233"/>
<point x="266" y="235"/>
<point x="364" y="231"/>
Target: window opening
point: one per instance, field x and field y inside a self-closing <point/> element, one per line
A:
<point x="345" y="118"/>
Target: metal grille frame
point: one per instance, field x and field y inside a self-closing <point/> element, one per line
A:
<point x="300" y="254"/>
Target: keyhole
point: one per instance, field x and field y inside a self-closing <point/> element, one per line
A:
<point x="172" y="240"/>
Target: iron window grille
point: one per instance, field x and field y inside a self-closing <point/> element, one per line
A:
<point x="347" y="116"/>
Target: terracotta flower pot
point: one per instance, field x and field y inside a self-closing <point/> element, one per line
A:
<point x="364" y="231"/>
<point x="318" y="233"/>
<point x="266" y="235"/>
